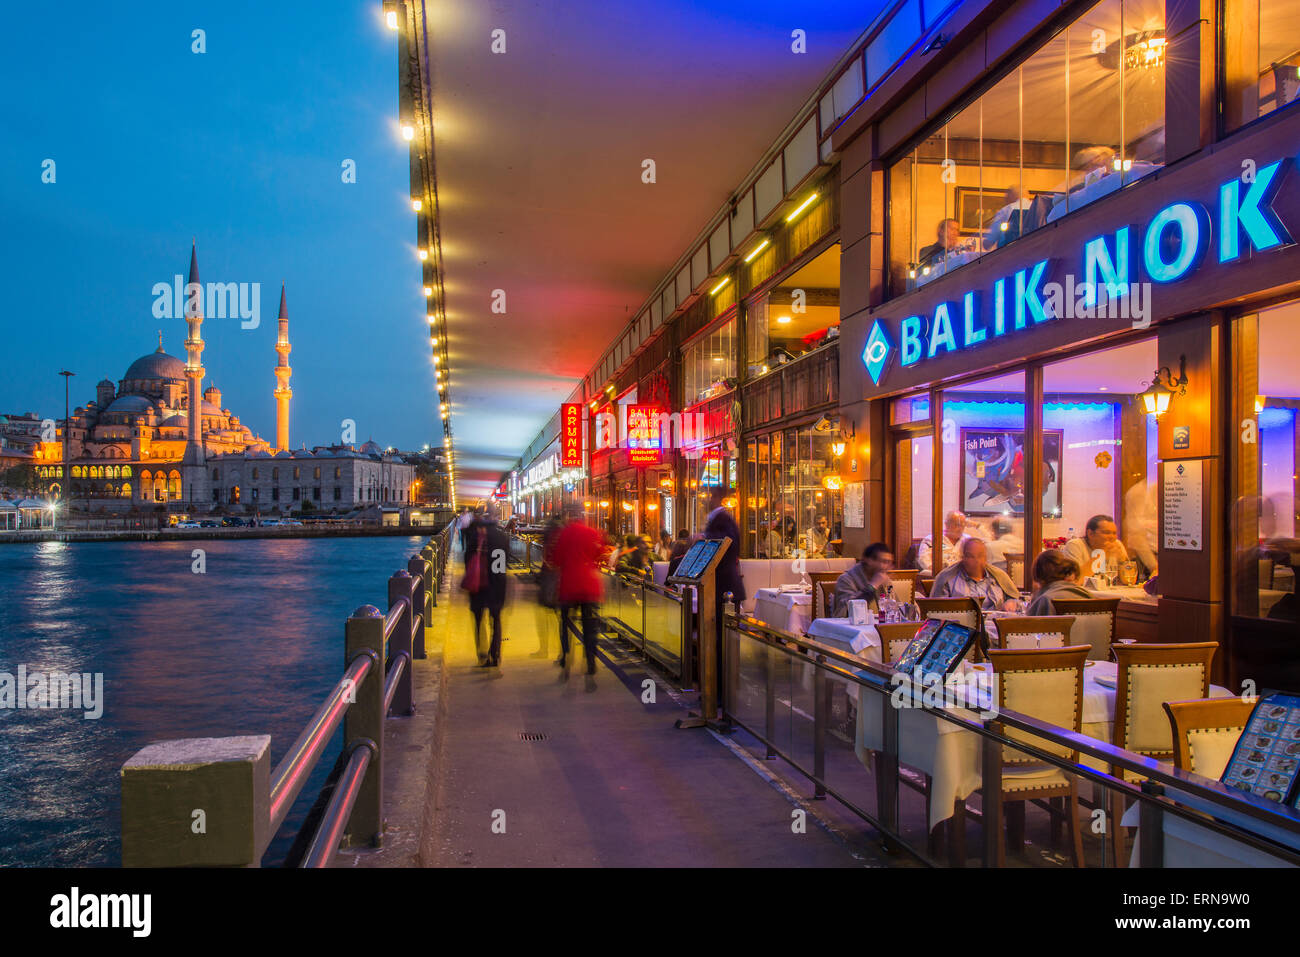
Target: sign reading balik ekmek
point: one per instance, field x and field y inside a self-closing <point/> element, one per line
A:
<point x="1175" y="242"/>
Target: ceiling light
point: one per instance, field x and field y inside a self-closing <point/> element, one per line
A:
<point x="391" y="17"/>
<point x="783" y="319"/>
<point x="718" y="288"/>
<point x="424" y="254"/>
<point x="416" y="204"/>
<point x="408" y="132"/>
<point x="801" y="207"/>
<point x="756" y="250"/>
<point x="428" y="291"/>
<point x="435" y="360"/>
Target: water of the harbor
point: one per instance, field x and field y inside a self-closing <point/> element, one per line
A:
<point x="251" y="646"/>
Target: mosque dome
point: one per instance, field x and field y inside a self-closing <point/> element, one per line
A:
<point x="156" y="365"/>
<point x="130" y="404"/>
<point x="370" y="448"/>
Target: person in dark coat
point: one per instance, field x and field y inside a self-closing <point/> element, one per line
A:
<point x="680" y="547"/>
<point x="721" y="524"/>
<point x="488" y="546"/>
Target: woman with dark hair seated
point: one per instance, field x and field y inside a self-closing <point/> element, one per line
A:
<point x="1057" y="575"/>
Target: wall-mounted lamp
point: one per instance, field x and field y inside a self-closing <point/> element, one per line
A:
<point x="1156" y="398"/>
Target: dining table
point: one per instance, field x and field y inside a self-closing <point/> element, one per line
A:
<point x="783" y="609"/>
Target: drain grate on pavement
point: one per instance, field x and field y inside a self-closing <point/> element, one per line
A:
<point x="532" y="736"/>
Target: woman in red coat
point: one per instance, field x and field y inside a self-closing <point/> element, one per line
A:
<point x="577" y="556"/>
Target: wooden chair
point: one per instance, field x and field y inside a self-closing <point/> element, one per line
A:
<point x="1046" y="684"/>
<point x="905" y="582"/>
<point x="926" y="585"/>
<point x="1148" y="675"/>
<point x="1013" y="633"/>
<point x="894" y="638"/>
<point x="1094" y="622"/>
<point x="965" y="611"/>
<point x="1016" y="568"/>
<point x="1205" y="730"/>
<point x="1266" y="573"/>
<point x="822" y="608"/>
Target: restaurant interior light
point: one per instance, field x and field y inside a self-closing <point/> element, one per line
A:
<point x="756" y="250"/>
<point x="1259" y="404"/>
<point x="801" y="207"/>
<point x="604" y="504"/>
<point x="783" y="320"/>
<point x="424" y="254"/>
<point x="408" y="132"/>
<point x="1155" y="400"/>
<point x="718" y="288"/>
<point x="428" y="291"/>
<point x="391" y="18"/>
<point x="416" y="205"/>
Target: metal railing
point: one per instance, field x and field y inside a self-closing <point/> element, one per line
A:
<point x="217" y="802"/>
<point x="788" y="692"/>
<point x="658" y="621"/>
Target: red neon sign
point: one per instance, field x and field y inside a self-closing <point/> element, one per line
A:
<point x="643" y="442"/>
<point x="571" y="435"/>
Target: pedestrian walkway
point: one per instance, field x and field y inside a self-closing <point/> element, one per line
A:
<point x="537" y="770"/>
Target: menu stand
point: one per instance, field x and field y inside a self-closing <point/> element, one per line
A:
<point x="698" y="569"/>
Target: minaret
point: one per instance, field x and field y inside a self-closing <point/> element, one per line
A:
<point x="194" y="362"/>
<point x="282" y="391"/>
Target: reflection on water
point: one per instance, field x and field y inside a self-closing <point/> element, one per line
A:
<point x="250" y="647"/>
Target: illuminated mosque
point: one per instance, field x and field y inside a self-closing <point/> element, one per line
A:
<point x="155" y="439"/>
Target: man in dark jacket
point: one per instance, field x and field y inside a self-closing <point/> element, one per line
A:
<point x="487" y="546"/>
<point x="721" y="524"/>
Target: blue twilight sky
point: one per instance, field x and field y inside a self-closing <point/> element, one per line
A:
<point x="240" y="147"/>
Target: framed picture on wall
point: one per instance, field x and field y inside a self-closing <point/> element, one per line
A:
<point x="993" y="472"/>
<point x="975" y="207"/>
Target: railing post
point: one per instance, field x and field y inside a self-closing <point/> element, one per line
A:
<point x="1151" y="828"/>
<point x="400" y="586"/>
<point x="991" y="782"/>
<point x="171" y="787"/>
<point x="419" y="570"/>
<point x="888" y="787"/>
<point x="820" y="700"/>
<point x="769" y="704"/>
<point x="364" y="721"/>
<point x="431" y="577"/>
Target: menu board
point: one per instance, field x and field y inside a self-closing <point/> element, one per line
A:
<point x="1267" y="756"/>
<point x="1181" y="525"/>
<point x="855" y="505"/>
<point x="697" y="558"/>
<point x="947" y="649"/>
<point x="916" y="647"/>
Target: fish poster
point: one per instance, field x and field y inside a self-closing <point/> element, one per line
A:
<point x="993" y="472"/>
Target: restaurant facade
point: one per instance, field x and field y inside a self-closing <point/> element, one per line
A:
<point x="1010" y="252"/>
<point x="1070" y="278"/>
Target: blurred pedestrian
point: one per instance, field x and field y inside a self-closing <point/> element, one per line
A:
<point x="548" y="585"/>
<point x="721" y="524"/>
<point x="577" y="556"/>
<point x="485" y="581"/>
<point x="636" y="559"/>
<point x="680" y="547"/>
<point x="664" y="550"/>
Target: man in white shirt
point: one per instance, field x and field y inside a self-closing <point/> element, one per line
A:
<point x="1100" y="546"/>
<point x="818" y="536"/>
<point x="1004" y="541"/>
<point x="954" y="533"/>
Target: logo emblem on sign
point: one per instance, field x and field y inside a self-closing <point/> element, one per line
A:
<point x="875" y="356"/>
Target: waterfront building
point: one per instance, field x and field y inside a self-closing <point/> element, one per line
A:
<point x="1066" y="236"/>
<point x="157" y="439"/>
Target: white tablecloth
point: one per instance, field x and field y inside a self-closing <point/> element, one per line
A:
<point x="861" y="640"/>
<point x="787" y="611"/>
<point x="950" y="754"/>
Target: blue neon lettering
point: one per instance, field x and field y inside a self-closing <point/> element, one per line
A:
<point x="1114" y="272"/>
<point x="1192" y="226"/>
<point x="941" y="331"/>
<point x="1027" y="295"/>
<point x="910" y="332"/>
<point x="1000" y="307"/>
<point x="1251" y="213"/>
<point x="970" y="307"/>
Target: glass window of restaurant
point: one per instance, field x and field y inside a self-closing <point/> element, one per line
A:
<point x="799" y="315"/>
<point x="982" y="438"/>
<point x="795" y="501"/>
<point x="1266" y="506"/>
<point x="708" y="362"/>
<point x="912" y="476"/>
<point x="1260" y="57"/>
<point x="707" y="468"/>
<point x="1078" y="119"/>
<point x="1100" y="450"/>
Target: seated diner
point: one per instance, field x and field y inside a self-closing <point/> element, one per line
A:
<point x="1057" y="576"/>
<point x="974" y="577"/>
<point x="865" y="581"/>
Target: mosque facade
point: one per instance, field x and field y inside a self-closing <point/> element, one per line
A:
<point x="156" y="438"/>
